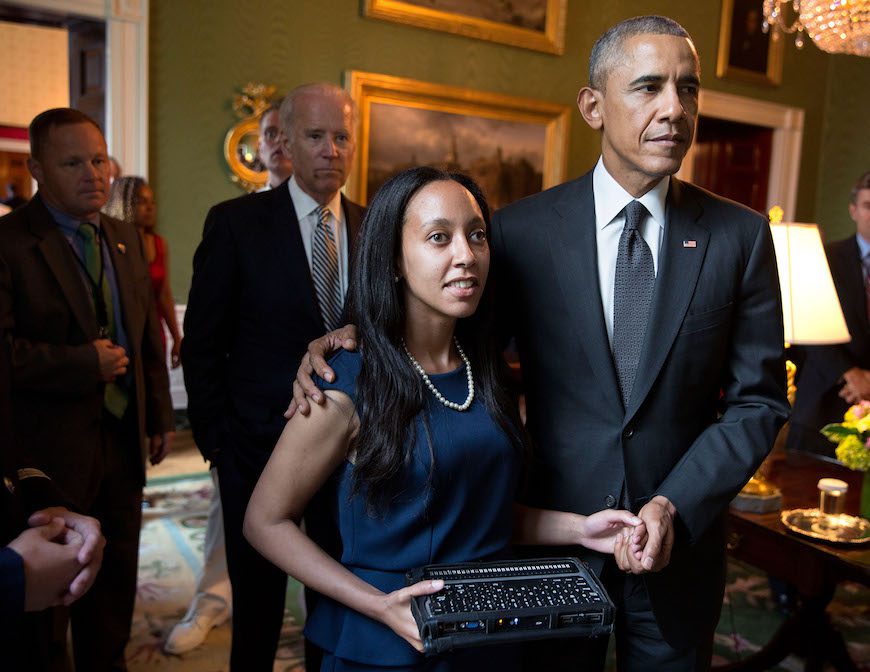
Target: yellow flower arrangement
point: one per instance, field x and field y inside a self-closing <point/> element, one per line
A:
<point x="852" y="437"/>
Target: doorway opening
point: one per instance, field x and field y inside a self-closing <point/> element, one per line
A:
<point x="786" y="126"/>
<point x="732" y="159"/>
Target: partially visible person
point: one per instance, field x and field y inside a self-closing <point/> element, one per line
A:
<point x="131" y="200"/>
<point x="48" y="555"/>
<point x="212" y="601"/>
<point x="830" y="378"/>
<point x="13" y="199"/>
<point x="271" y="148"/>
<point x="90" y="390"/>
<point x="424" y="442"/>
<point x="212" y="598"/>
<point x="115" y="170"/>
<point x="270" y="274"/>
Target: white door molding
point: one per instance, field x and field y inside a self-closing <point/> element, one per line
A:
<point x="787" y="124"/>
<point x="127" y="67"/>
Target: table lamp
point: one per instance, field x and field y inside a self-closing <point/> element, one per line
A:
<point x="811" y="316"/>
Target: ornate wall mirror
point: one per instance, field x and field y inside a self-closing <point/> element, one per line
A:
<point x="240" y="144"/>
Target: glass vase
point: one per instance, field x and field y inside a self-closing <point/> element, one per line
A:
<point x="865" y="496"/>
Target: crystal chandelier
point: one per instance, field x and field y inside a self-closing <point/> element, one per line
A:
<point x="836" y="26"/>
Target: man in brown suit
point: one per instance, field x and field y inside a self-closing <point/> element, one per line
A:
<point x="89" y="378"/>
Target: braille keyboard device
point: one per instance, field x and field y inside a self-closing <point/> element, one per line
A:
<point x="510" y="601"/>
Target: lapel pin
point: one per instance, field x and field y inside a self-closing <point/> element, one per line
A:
<point x="123" y="248"/>
<point x="690" y="243"/>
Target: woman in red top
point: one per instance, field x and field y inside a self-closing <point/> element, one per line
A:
<point x="132" y="200"/>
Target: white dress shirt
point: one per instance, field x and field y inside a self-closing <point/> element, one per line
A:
<point x="306" y="213"/>
<point x="610" y="200"/>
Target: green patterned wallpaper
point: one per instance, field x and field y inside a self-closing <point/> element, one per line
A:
<point x="845" y="146"/>
<point x="202" y="51"/>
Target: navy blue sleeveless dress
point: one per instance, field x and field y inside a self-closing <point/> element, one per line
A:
<point x="455" y="506"/>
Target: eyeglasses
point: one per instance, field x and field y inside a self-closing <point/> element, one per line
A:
<point x="271" y="134"/>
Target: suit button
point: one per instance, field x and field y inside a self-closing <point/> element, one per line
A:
<point x="610" y="501"/>
<point x="628" y="432"/>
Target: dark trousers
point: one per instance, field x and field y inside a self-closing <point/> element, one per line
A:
<point x="35" y="643"/>
<point x="101" y="620"/>
<point x="639" y="643"/>
<point x="259" y="587"/>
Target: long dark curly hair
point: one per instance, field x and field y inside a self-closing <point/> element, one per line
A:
<point x="390" y="392"/>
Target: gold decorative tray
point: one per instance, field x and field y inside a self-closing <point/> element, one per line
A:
<point x="838" y="529"/>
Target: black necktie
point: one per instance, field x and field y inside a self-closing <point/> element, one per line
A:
<point x="632" y="295"/>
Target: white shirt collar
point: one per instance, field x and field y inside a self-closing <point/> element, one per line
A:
<point x="611" y="198"/>
<point x="305" y="205"/>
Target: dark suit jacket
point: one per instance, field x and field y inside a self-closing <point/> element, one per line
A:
<point x="821" y="367"/>
<point x="57" y="391"/>
<point x="709" y="395"/>
<point x="251" y="313"/>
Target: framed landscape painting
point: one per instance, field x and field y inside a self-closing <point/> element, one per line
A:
<point x="533" y="24"/>
<point x="512" y="146"/>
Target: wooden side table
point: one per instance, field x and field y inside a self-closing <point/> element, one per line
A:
<point x="813" y="568"/>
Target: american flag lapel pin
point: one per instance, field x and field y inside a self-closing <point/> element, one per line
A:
<point x="690" y="243"/>
<point x="123" y="248"/>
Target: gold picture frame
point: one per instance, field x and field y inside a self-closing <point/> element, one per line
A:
<point x="745" y="52"/>
<point x="545" y="33"/>
<point x="240" y="142"/>
<point x="513" y="146"/>
<point x="240" y="152"/>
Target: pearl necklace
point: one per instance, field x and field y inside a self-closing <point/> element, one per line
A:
<point x="440" y="397"/>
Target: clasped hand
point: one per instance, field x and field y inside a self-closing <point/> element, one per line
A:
<point x="62" y="553"/>
<point x="639" y="554"/>
<point x="112" y="359"/>
<point x="856" y="385"/>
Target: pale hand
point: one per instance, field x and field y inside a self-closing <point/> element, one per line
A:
<point x="315" y="361"/>
<point x="600" y="531"/>
<point x="112" y="358"/>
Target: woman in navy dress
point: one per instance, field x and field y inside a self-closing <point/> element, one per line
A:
<point x="418" y="444"/>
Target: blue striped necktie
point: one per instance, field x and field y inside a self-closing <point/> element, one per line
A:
<point x="324" y="269"/>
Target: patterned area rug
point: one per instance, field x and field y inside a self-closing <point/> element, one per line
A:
<point x="170" y="556"/>
<point x="750" y="617"/>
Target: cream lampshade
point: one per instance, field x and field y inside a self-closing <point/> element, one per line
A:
<point x="810" y="306"/>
